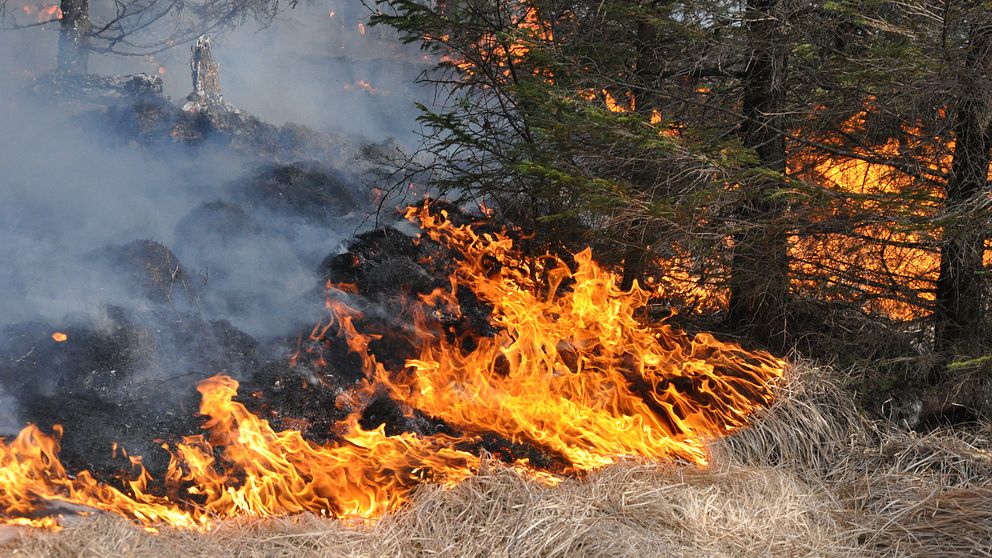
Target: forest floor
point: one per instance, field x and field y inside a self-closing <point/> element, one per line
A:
<point x="811" y="477"/>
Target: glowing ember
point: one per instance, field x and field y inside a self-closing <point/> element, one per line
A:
<point x="53" y="12"/>
<point x="366" y="86"/>
<point x="570" y="371"/>
<point x="60" y="337"/>
<point x="43" y="13"/>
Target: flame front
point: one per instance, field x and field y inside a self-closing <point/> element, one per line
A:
<point x="570" y="371"/>
<point x="259" y="472"/>
<point x="581" y="376"/>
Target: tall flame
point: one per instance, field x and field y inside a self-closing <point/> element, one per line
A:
<point x="580" y="374"/>
<point x="571" y="371"/>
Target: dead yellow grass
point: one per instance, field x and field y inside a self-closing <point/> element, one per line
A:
<point x="811" y="478"/>
<point x="628" y="510"/>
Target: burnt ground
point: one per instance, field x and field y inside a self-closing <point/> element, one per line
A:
<point x="128" y="375"/>
<point x="127" y="372"/>
<point x="127" y="378"/>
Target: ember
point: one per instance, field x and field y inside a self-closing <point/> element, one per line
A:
<point x="43" y="13"/>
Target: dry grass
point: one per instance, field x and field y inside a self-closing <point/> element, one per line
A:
<point x="811" y="478"/>
<point x="632" y="510"/>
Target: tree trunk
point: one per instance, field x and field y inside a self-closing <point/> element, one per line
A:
<point x="760" y="268"/>
<point x="960" y="288"/>
<point x="633" y="266"/>
<point x="636" y="254"/>
<point x="74" y="36"/>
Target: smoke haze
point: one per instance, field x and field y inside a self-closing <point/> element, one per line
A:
<point x="74" y="191"/>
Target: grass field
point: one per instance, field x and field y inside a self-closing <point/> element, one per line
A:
<point x="812" y="477"/>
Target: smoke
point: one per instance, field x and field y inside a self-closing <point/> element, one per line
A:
<point x="330" y="72"/>
<point x="71" y="192"/>
<point x="74" y="192"/>
<point x="317" y="64"/>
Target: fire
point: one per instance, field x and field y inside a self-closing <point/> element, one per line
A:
<point x="524" y="28"/>
<point x="364" y="475"/>
<point x="43" y="13"/>
<point x="52" y="12"/>
<point x="895" y="266"/>
<point x="683" y="287"/>
<point x="60" y="337"/>
<point x="887" y="267"/>
<point x="259" y="472"/>
<point x="582" y="376"/>
<point x="361" y="29"/>
<point x="615" y="106"/>
<point x="570" y="371"/>
<point x="364" y="84"/>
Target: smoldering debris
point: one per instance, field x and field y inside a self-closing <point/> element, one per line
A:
<point x="109" y="380"/>
<point x="166" y="243"/>
<point x="152" y="270"/>
<point x="304" y="189"/>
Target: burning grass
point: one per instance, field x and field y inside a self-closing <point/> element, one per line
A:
<point x="567" y="371"/>
<point x="625" y="510"/>
<point x="665" y="445"/>
<point x="811" y="477"/>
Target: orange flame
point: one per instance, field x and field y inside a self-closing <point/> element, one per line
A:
<point x="504" y="53"/>
<point x="570" y="371"/>
<point x="887" y="267"/>
<point x="43" y="13"/>
<point x="881" y="259"/>
<point x="614" y="106"/>
<point x="574" y="360"/>
<point x="60" y="337"/>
